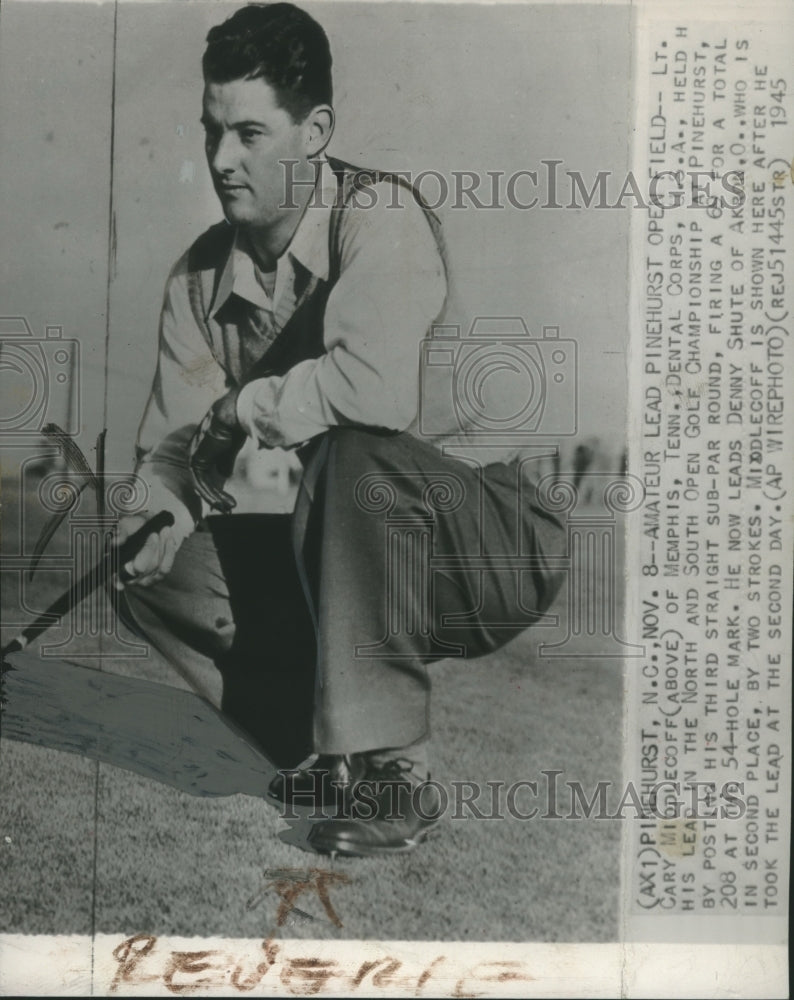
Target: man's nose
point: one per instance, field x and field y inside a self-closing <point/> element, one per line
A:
<point x="223" y="154"/>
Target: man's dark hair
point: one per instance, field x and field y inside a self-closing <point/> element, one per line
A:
<point x="278" y="43"/>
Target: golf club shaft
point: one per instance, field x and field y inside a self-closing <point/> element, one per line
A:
<point x="87" y="583"/>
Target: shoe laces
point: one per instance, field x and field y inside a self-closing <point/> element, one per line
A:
<point x="392" y="769"/>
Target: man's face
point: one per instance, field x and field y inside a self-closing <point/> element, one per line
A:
<point x="247" y="137"/>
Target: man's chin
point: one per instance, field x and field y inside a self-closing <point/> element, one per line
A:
<point x="245" y="220"/>
<point x="234" y="212"/>
<point x="240" y="214"/>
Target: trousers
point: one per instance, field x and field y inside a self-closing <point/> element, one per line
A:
<point x="322" y="622"/>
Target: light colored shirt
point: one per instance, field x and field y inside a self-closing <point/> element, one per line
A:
<point x="390" y="288"/>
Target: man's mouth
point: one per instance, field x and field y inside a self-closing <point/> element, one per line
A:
<point x="228" y="188"/>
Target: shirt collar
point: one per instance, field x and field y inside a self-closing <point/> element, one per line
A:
<point x="308" y="246"/>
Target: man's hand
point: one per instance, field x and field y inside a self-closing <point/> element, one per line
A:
<point x="213" y="449"/>
<point x="155" y="559"/>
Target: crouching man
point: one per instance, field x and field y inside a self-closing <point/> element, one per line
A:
<point x="296" y="324"/>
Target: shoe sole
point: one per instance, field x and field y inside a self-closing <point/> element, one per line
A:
<point x="372" y="850"/>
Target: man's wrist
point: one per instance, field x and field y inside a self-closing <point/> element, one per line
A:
<point x="245" y="407"/>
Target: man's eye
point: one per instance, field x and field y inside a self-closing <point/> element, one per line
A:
<point x="250" y="134"/>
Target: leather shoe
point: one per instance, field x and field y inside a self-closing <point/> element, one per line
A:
<point x="389" y="811"/>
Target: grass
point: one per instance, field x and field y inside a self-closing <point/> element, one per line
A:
<point x="88" y="847"/>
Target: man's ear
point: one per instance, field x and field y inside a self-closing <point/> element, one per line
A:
<point x="319" y="128"/>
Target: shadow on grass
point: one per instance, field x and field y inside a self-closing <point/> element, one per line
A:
<point x="163" y="733"/>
